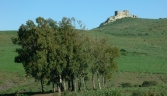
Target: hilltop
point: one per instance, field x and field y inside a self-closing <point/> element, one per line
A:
<point x="118" y="15"/>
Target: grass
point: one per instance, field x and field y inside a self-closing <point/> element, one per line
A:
<point x="147" y="64"/>
<point x="7" y="51"/>
<point x="144" y="41"/>
<point x="144" y="45"/>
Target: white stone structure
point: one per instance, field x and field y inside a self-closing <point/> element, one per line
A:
<point x="118" y="15"/>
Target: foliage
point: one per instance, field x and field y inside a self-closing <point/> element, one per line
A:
<point x="134" y="63"/>
<point x="126" y="85"/>
<point x="104" y="92"/>
<point x="56" y="52"/>
<point x="148" y="93"/>
<point x="149" y="83"/>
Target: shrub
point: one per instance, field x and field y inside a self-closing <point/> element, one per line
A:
<point x="104" y="92"/>
<point x="138" y="93"/>
<point x="126" y="85"/>
<point x="67" y="93"/>
<point x="116" y="93"/>
<point x="123" y="52"/>
<point x="163" y="93"/>
<point x="136" y="85"/>
<point x="149" y="93"/>
<point x="143" y="93"/>
<point x="149" y="83"/>
<point x="146" y="33"/>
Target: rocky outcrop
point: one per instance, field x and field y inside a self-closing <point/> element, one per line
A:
<point x="118" y="15"/>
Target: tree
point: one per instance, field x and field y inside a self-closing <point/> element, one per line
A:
<point x="108" y="65"/>
<point x="67" y="55"/>
<point x="35" y="42"/>
<point x="102" y="56"/>
<point x="74" y="44"/>
<point x="60" y="53"/>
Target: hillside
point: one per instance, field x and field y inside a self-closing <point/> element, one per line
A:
<point x="143" y="46"/>
<point x="143" y="43"/>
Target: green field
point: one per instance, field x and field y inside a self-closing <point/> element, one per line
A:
<point x="7" y="50"/>
<point x="143" y="47"/>
<point x="144" y="42"/>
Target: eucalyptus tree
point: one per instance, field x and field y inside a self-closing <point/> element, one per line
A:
<point x="82" y="58"/>
<point x="58" y="52"/>
<point x="103" y="60"/>
<point x="108" y="65"/>
<point x="35" y="42"/>
<point x="95" y="50"/>
<point x="74" y="45"/>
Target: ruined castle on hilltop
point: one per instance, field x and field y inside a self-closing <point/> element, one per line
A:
<point x="118" y="15"/>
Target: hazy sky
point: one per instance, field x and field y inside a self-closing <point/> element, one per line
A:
<point x="13" y="13"/>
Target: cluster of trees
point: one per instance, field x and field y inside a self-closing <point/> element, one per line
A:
<point x="58" y="53"/>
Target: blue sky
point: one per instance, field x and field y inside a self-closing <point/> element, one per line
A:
<point x="13" y="13"/>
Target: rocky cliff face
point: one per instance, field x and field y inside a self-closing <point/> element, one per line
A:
<point x="118" y="15"/>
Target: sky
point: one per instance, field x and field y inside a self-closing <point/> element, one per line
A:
<point x="13" y="13"/>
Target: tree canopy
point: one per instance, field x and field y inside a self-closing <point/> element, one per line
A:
<point x="59" y="52"/>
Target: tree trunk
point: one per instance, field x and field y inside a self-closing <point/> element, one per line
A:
<point x="79" y="84"/>
<point x="64" y="85"/>
<point x="42" y="86"/>
<point x="59" y="84"/>
<point x="103" y="80"/>
<point x="69" y="85"/>
<point x="93" y="82"/>
<point x="83" y="81"/>
<point x="58" y="88"/>
<point x="73" y="84"/>
<point x="98" y="80"/>
<point x="53" y="86"/>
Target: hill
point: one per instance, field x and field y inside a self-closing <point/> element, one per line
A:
<point x="143" y="43"/>
<point x="143" y="46"/>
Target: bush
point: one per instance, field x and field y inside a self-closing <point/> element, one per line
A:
<point x="163" y="93"/>
<point x="123" y="52"/>
<point x="116" y="93"/>
<point x="138" y="93"/>
<point x="149" y="93"/>
<point x="149" y="83"/>
<point x="126" y="85"/>
<point x="144" y="93"/>
<point x="146" y="33"/>
<point x="136" y="85"/>
<point x="104" y="92"/>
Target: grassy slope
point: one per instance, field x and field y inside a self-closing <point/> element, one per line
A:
<point x="7" y="50"/>
<point x="145" y="42"/>
<point x="11" y="74"/>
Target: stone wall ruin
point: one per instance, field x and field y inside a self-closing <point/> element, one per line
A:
<point x="119" y="15"/>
